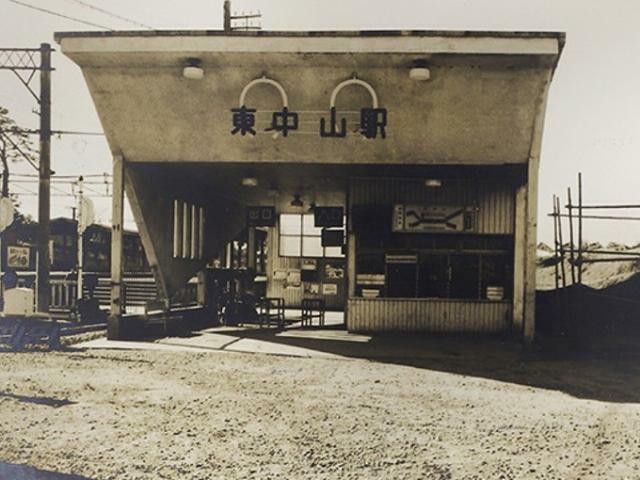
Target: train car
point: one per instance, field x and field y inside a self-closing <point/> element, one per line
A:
<point x="19" y="252"/>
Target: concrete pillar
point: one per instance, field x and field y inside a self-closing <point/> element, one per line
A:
<point x="114" y="331"/>
<point x="519" y="258"/>
<point x="531" y="240"/>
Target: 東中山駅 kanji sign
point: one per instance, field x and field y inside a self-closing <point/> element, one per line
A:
<point x="372" y="124"/>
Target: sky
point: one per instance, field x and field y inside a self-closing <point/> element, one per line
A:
<point x="593" y="115"/>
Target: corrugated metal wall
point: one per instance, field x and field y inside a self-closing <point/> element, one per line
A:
<point x="495" y="201"/>
<point x="431" y="315"/>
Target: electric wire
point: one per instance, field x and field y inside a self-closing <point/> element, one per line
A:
<point x="56" y="14"/>
<point x="111" y="14"/>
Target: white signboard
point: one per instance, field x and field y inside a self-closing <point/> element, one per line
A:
<point x="17" y="257"/>
<point x="6" y="213"/>
<point x="421" y="218"/>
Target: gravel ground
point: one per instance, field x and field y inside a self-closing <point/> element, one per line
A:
<point x="183" y="415"/>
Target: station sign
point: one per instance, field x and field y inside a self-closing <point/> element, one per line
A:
<point x="421" y="218"/>
<point x="332" y="238"/>
<point x="18" y="257"/>
<point x="328" y="216"/>
<point x="372" y="123"/>
<point x="261" y="216"/>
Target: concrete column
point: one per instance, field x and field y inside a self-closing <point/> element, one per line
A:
<point x="117" y="229"/>
<point x="532" y="215"/>
<point x="519" y="257"/>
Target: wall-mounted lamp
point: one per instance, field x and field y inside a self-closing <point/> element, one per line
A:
<point x="419" y="72"/>
<point x="250" y="182"/>
<point x="193" y="70"/>
<point x="296" y="202"/>
<point x="433" y="183"/>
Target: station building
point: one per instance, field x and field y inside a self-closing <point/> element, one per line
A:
<point x="392" y="173"/>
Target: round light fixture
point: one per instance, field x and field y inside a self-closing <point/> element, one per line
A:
<point x="193" y="70"/>
<point x="432" y="183"/>
<point x="249" y="182"/>
<point x="419" y="74"/>
<point x="419" y="71"/>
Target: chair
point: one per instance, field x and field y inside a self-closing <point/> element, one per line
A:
<point x="271" y="309"/>
<point x="312" y="308"/>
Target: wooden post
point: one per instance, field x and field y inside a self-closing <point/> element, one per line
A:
<point x="555" y="243"/>
<point x="44" y="188"/>
<point x="251" y="247"/>
<point x="571" y="246"/>
<point x="519" y="259"/>
<point x="580" y="228"/>
<point x="561" y="244"/>
<point x="117" y="216"/>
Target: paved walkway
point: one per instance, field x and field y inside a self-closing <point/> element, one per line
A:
<point x="331" y="341"/>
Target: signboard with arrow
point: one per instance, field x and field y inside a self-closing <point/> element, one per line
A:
<point x="421" y="218"/>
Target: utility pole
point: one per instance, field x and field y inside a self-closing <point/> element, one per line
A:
<point x="44" y="190"/>
<point x="227" y="15"/>
<point x="23" y="62"/>
<point x="80" y="250"/>
<point x="244" y="17"/>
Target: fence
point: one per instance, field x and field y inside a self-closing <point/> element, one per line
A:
<point x="138" y="290"/>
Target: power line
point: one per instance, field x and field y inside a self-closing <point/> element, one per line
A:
<point x="111" y="14"/>
<point x="34" y="131"/>
<point x="56" y="14"/>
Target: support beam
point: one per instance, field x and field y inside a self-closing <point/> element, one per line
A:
<point x="130" y="181"/>
<point x="532" y="214"/>
<point x="519" y="256"/>
<point x="117" y="234"/>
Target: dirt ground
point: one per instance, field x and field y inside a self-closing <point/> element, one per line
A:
<point x="458" y="412"/>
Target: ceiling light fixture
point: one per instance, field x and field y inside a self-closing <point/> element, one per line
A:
<point x="193" y="70"/>
<point x="419" y="72"/>
<point x="296" y="202"/>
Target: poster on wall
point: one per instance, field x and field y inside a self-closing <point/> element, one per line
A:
<point x="309" y="264"/>
<point x="333" y="271"/>
<point x="293" y="279"/>
<point x="18" y="257"/>
<point x="312" y="288"/>
<point x="329" y="289"/>
<point x="279" y="274"/>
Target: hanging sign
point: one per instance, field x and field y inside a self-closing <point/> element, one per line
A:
<point x="421" y="218"/>
<point x="87" y="214"/>
<point x="332" y="238"/>
<point x="261" y="216"/>
<point x="328" y="216"/>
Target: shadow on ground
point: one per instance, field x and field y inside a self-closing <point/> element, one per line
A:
<point x="605" y="376"/>
<point x="47" y="401"/>
<point x="25" y="472"/>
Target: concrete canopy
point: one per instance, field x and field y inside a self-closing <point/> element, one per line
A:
<point x="483" y="89"/>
